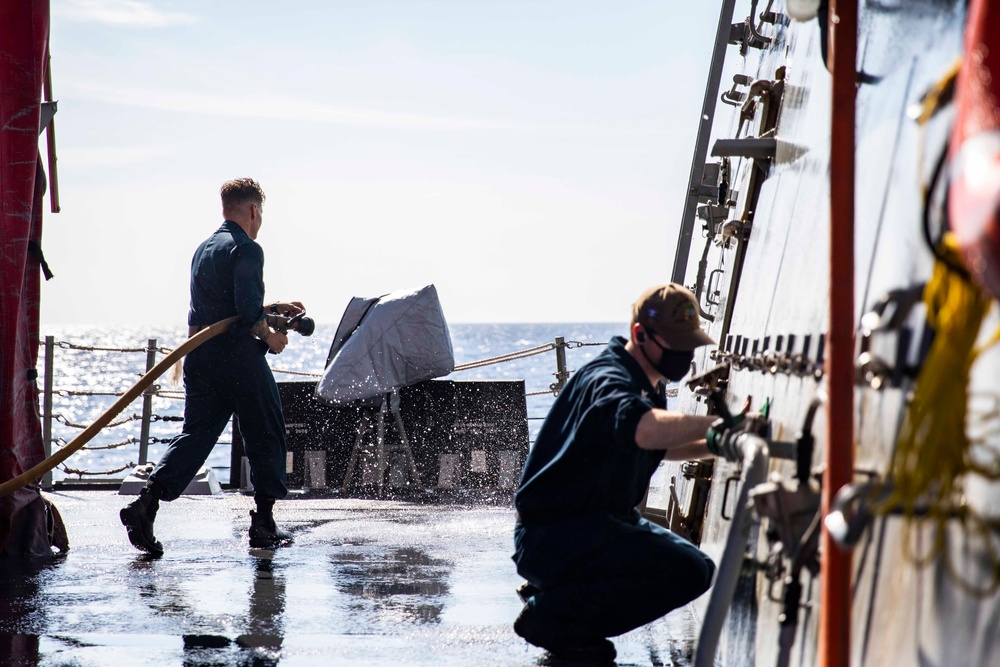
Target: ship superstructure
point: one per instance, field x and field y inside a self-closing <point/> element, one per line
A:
<point x="914" y="522"/>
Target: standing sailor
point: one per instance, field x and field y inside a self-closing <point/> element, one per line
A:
<point x="227" y="374"/>
<point x="594" y="568"/>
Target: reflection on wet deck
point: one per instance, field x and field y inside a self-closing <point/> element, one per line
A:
<point x="366" y="583"/>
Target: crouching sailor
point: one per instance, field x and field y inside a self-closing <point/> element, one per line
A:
<point x="227" y="374"/>
<point x="594" y="568"/>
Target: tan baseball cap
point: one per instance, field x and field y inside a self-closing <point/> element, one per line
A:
<point x="671" y="310"/>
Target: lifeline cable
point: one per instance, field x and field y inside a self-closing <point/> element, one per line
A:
<point x="83" y="438"/>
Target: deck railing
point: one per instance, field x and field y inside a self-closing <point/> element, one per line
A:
<point x="146" y="416"/>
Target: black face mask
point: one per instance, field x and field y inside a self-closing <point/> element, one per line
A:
<point x="675" y="364"/>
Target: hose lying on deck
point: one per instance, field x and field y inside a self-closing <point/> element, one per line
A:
<point x="83" y="438"/>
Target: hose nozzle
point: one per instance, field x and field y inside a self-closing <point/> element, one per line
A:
<point x="301" y="324"/>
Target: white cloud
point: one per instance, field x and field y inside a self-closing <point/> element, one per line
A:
<point x="274" y="107"/>
<point x="127" y="13"/>
<point x="112" y="156"/>
<point x="282" y="108"/>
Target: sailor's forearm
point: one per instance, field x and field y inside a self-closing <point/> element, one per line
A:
<point x="260" y="329"/>
<point x="689" y="451"/>
<point x="663" y="429"/>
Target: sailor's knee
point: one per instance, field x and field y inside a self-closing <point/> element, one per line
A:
<point x="698" y="573"/>
<point x="688" y="573"/>
<point x="707" y="570"/>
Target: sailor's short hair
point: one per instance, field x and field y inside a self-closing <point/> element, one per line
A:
<point x="240" y="192"/>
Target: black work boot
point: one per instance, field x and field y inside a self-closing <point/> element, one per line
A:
<point x="564" y="650"/>
<point x="264" y="534"/>
<point x="138" y="517"/>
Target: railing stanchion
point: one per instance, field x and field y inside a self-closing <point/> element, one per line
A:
<point x="561" y="373"/>
<point x="47" y="408"/>
<point x="147" y="403"/>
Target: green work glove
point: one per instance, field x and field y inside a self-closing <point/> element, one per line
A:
<point x="716" y="433"/>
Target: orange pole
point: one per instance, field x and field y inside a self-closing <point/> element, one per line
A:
<point x="50" y="140"/>
<point x="835" y="575"/>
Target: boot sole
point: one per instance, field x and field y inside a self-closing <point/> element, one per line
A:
<point x="584" y="651"/>
<point x="132" y="522"/>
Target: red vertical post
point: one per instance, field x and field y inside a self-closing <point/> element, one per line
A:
<point x="835" y="576"/>
<point x="24" y="30"/>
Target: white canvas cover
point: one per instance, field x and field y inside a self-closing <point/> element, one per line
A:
<point x="386" y="343"/>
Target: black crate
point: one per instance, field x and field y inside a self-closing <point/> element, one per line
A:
<point x="462" y="434"/>
<point x="311" y="425"/>
<point x="467" y="433"/>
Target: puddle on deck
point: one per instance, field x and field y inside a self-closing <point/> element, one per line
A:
<point x="365" y="583"/>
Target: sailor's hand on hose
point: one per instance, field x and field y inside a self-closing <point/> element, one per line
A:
<point x="276" y="342"/>
<point x="286" y="308"/>
<point x="722" y="435"/>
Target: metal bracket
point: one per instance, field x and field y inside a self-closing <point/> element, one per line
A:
<point x="712" y="292"/>
<point x="711" y="383"/>
<point x="775" y="18"/>
<point x="734" y="97"/>
<point x="689" y="524"/>
<point x="713" y="216"/>
<point x="793" y="516"/>
<point x="746" y="35"/>
<point x="48" y="110"/>
<point x="710" y="180"/>
<point x="791" y="512"/>
<point x="751" y="147"/>
<point x="889" y="314"/>
<point x="852" y="511"/>
<point x="725" y="497"/>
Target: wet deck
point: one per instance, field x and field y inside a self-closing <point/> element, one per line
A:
<point x="367" y="582"/>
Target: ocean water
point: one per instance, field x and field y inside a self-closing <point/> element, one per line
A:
<point x="83" y="375"/>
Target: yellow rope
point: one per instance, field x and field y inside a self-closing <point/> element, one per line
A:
<point x="934" y="454"/>
<point x="930" y="105"/>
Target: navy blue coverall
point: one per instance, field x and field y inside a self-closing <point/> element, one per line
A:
<point x="229" y="373"/>
<point x="601" y="568"/>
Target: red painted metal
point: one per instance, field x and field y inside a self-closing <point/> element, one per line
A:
<point x="24" y="32"/>
<point x="974" y="150"/>
<point x="835" y="576"/>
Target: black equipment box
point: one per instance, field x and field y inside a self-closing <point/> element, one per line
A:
<point x="460" y="434"/>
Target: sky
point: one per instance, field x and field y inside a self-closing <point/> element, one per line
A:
<point x="528" y="158"/>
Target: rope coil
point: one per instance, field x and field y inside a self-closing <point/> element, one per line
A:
<point x="934" y="454"/>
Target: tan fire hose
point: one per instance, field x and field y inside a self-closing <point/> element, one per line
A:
<point x="123" y="402"/>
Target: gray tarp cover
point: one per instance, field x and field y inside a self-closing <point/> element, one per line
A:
<point x="400" y="339"/>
